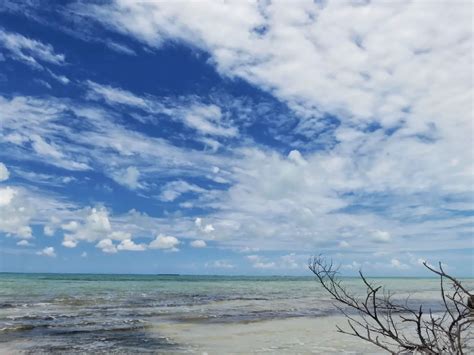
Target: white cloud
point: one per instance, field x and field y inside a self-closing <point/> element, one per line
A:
<point x="28" y="50"/>
<point x="120" y="48"/>
<point x="98" y="220"/>
<point x="44" y="179"/>
<point x="284" y="262"/>
<point x="107" y="246"/>
<point x="248" y="250"/>
<point x="260" y="262"/>
<point x="21" y="208"/>
<point x="130" y="245"/>
<point x="356" y="266"/>
<point x="387" y="88"/>
<point x="120" y="235"/>
<point x="44" y="148"/>
<point x="95" y="225"/>
<point x="69" y="242"/>
<point x="292" y="261"/>
<point x="49" y="230"/>
<point x="115" y="95"/>
<point x="50" y="150"/>
<point x="102" y="142"/>
<point x="174" y="189"/>
<point x="6" y="195"/>
<point x="164" y="242"/>
<point x="71" y="226"/>
<point x="220" y="264"/>
<point x="381" y="236"/>
<point x="207" y="119"/>
<point x="4" y="173"/>
<point x="344" y="244"/>
<point x="296" y="156"/>
<point x="128" y="177"/>
<point x="397" y="264"/>
<point x="198" y="243"/>
<point x="60" y="78"/>
<point x="206" y="228"/>
<point x="84" y="254"/>
<point x="264" y="265"/>
<point x="16" y="212"/>
<point x="48" y="251"/>
<point x="24" y="243"/>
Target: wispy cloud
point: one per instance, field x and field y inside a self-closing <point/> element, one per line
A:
<point x="206" y="119"/>
<point x="29" y="51"/>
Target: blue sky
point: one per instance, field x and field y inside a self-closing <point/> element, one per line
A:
<point x="235" y="138"/>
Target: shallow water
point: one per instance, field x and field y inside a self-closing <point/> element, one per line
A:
<point x="129" y="313"/>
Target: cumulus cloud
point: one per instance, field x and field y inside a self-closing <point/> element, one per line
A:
<point x="6" y="195"/>
<point x="206" y="228"/>
<point x="48" y="251"/>
<point x="397" y="264"/>
<point x="130" y="245"/>
<point x="69" y="242"/>
<point x="107" y="246"/>
<point x="296" y="157"/>
<point x="49" y="230"/>
<point x="16" y="212"/>
<point x="96" y="226"/>
<point x="24" y="243"/>
<point x="4" y="173"/>
<point x="164" y="242"/>
<point x="198" y="243"/>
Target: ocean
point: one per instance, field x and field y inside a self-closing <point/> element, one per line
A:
<point x="88" y="313"/>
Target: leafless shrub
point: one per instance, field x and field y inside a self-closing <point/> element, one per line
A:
<point x="396" y="326"/>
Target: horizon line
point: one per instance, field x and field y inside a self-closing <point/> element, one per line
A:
<point x="219" y="275"/>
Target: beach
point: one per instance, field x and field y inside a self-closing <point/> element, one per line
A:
<point x="60" y="313"/>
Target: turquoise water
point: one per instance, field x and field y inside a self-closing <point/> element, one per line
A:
<point x="118" y="313"/>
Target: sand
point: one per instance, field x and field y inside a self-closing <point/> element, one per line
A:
<point x="287" y="336"/>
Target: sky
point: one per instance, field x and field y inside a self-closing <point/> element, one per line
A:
<point x="232" y="137"/>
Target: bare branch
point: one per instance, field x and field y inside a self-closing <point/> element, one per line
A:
<point x="396" y="327"/>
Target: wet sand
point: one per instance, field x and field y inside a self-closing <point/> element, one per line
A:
<point x="284" y="336"/>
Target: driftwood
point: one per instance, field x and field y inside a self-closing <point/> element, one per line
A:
<point x="398" y="327"/>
